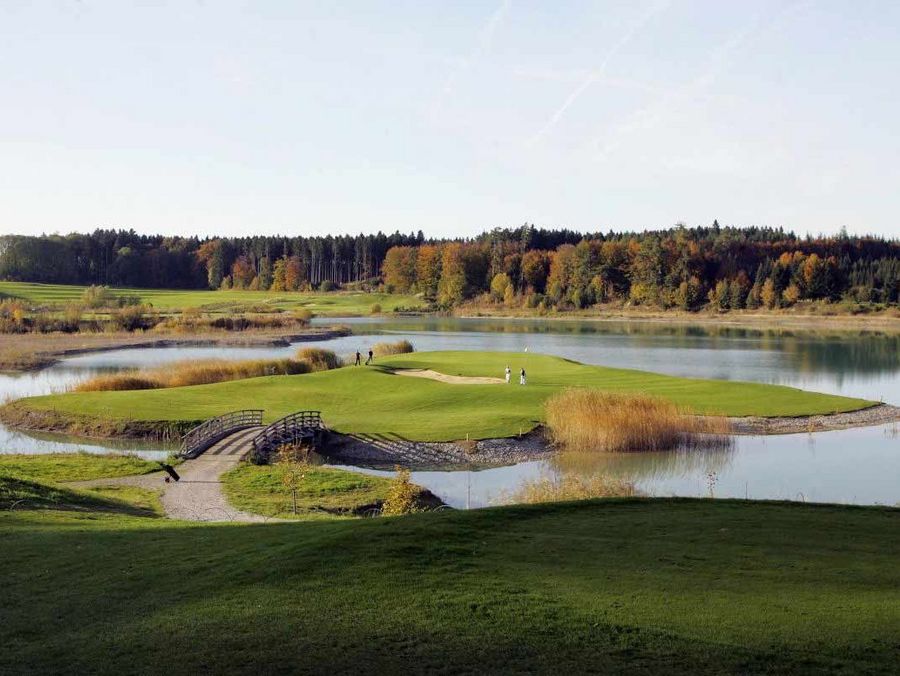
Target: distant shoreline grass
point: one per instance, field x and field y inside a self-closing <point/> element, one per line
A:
<point x="372" y="400"/>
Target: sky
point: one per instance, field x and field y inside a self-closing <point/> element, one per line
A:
<point x="266" y="117"/>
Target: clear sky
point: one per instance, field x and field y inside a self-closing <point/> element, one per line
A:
<point x="214" y="117"/>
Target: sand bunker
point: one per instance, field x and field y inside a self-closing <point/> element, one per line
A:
<point x="444" y="378"/>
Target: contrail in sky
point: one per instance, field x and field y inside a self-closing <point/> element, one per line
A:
<point x="594" y="75"/>
<point x="483" y="46"/>
<point x="719" y="60"/>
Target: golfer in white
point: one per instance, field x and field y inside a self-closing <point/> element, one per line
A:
<point x="508" y="373"/>
<point x="522" y="377"/>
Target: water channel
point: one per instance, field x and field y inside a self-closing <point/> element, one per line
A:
<point x="860" y="466"/>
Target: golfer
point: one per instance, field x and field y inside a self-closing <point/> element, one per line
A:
<point x="508" y="374"/>
<point x="522" y="377"/>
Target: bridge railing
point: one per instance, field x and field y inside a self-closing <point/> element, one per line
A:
<point x="296" y="428"/>
<point x="204" y="435"/>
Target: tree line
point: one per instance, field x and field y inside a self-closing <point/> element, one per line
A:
<point x="723" y="267"/>
<point x="688" y="268"/>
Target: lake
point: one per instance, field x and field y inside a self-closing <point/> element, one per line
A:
<point x="860" y="466"/>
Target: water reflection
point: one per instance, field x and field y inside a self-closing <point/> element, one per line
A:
<point x="647" y="466"/>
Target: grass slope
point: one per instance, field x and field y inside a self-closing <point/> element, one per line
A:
<point x="322" y="492"/>
<point x="377" y="401"/>
<point x="643" y="586"/>
<point x="74" y="466"/>
<point x="337" y="303"/>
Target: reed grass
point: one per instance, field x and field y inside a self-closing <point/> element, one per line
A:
<point x="591" y="420"/>
<point x="319" y="359"/>
<point x="387" y="349"/>
<point x="565" y="487"/>
<point x="195" y="373"/>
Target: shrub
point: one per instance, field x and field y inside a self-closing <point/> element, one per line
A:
<point x="303" y="316"/>
<point x="327" y="285"/>
<point x="375" y="309"/>
<point x="387" y="349"/>
<point x="97" y="297"/>
<point x="591" y="420"/>
<point x="130" y="318"/>
<point x="319" y="359"/>
<point x="402" y="496"/>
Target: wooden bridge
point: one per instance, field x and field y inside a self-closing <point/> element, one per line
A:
<point x="239" y="433"/>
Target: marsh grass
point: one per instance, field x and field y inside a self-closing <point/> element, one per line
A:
<point x="319" y="359"/>
<point x="591" y="420"/>
<point x="567" y="487"/>
<point x="186" y="373"/>
<point x="387" y="349"/>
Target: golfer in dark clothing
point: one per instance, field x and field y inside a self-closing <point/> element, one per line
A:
<point x="371" y="358"/>
<point x="357" y="358"/>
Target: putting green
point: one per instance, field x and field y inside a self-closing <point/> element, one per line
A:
<point x="374" y="400"/>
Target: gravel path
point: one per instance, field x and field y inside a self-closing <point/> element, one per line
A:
<point x="198" y="496"/>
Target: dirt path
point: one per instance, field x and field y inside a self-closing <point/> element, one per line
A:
<point x="444" y="378"/>
<point x="198" y="496"/>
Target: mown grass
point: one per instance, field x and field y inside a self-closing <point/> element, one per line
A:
<point x="19" y="493"/>
<point x="56" y="467"/>
<point x="580" y="419"/>
<point x="614" y="586"/>
<point x="335" y="303"/>
<point x="321" y="492"/>
<point x="376" y="401"/>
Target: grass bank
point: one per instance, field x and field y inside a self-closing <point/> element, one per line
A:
<point x="637" y="586"/>
<point x="338" y="303"/>
<point x="375" y="401"/>
<point x="36" y="482"/>
<point x="56" y="467"/>
<point x="321" y="491"/>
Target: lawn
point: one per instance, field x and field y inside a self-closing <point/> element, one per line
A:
<point x="334" y="303"/>
<point x="321" y="492"/>
<point x="38" y="482"/>
<point x="636" y="586"/>
<point x="377" y="401"/>
<point x="57" y="467"/>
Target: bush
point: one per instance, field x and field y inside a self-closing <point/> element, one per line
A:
<point x="402" y="497"/>
<point x="590" y="420"/>
<point x="387" y="349"/>
<point x="327" y="286"/>
<point x="98" y="297"/>
<point x="303" y="316"/>
<point x="319" y="359"/>
<point x="130" y="318"/>
<point x="375" y="309"/>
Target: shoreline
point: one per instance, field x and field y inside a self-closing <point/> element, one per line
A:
<point x="761" y="321"/>
<point x="384" y="451"/>
<point x="39" y="359"/>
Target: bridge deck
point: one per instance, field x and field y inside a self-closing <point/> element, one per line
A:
<point x="237" y="444"/>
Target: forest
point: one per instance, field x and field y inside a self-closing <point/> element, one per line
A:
<point x="688" y="268"/>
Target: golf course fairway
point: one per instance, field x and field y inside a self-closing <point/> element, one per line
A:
<point x="376" y="400"/>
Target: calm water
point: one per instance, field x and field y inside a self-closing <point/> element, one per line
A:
<point x="854" y="466"/>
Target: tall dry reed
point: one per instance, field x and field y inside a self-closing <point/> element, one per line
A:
<point x="319" y="359"/>
<point x="194" y="373"/>
<point x="590" y="420"/>
<point x="565" y="487"/>
<point x="387" y="349"/>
